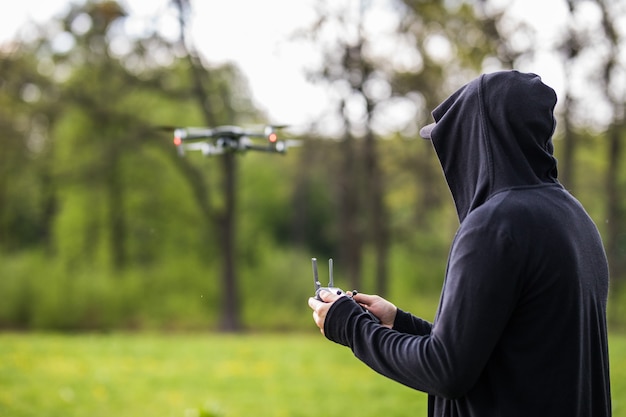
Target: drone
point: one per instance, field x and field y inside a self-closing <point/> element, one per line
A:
<point x="233" y="139"/>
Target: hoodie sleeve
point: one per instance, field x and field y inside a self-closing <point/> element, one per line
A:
<point x="407" y="323"/>
<point x="478" y="297"/>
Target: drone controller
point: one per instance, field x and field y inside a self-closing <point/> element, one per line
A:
<point x="331" y="288"/>
<point x="318" y="286"/>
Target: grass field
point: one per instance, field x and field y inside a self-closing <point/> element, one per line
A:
<point x="207" y="375"/>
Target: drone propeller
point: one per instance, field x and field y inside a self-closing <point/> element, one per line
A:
<point x="279" y="126"/>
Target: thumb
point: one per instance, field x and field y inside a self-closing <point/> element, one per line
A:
<point x="328" y="296"/>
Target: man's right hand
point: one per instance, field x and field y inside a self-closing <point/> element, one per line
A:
<point x="381" y="308"/>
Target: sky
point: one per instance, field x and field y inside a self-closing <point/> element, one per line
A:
<point x="254" y="34"/>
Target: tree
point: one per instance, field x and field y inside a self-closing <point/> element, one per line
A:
<point x="28" y="111"/>
<point x="613" y="72"/>
<point x="434" y="44"/>
<point x="224" y="219"/>
<point x="100" y="94"/>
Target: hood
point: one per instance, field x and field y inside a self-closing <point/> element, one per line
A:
<point x="495" y="133"/>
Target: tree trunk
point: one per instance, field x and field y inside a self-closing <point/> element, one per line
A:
<point x="614" y="231"/>
<point x="230" y="320"/>
<point x="378" y="225"/>
<point x="116" y="212"/>
<point x="349" y="213"/>
<point x="566" y="167"/>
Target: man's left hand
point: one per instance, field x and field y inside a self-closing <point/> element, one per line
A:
<point x="320" y="308"/>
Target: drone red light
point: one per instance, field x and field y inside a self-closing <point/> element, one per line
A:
<point x="177" y="141"/>
<point x="272" y="137"/>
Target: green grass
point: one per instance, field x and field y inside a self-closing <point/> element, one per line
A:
<point x="191" y="375"/>
<point x="207" y="375"/>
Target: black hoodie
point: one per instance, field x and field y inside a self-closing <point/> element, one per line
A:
<point x="521" y="328"/>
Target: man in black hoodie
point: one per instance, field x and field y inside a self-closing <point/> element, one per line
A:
<point x="521" y="324"/>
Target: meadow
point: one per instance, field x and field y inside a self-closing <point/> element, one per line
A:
<point x="207" y="375"/>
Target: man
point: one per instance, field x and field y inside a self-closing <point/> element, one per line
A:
<point x="521" y="325"/>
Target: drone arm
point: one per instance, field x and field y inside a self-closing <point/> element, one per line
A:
<point x="207" y="149"/>
<point x="279" y="147"/>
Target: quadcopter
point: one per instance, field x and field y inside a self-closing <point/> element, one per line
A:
<point x="233" y="139"/>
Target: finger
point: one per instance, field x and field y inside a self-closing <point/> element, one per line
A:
<point x="319" y="322"/>
<point x="328" y="296"/>
<point x="314" y="303"/>
<point x="365" y="299"/>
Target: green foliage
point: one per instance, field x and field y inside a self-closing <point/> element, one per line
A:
<point x="103" y="226"/>
<point x="46" y="295"/>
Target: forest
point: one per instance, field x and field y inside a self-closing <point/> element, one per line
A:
<point x="103" y="226"/>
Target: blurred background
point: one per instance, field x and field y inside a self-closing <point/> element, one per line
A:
<point x="103" y="226"/>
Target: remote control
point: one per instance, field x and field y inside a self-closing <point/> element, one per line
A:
<point x="318" y="286"/>
<point x="331" y="287"/>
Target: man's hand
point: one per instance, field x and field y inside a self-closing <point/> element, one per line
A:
<point x="384" y="310"/>
<point x="320" y="308"/>
<point x="378" y="306"/>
